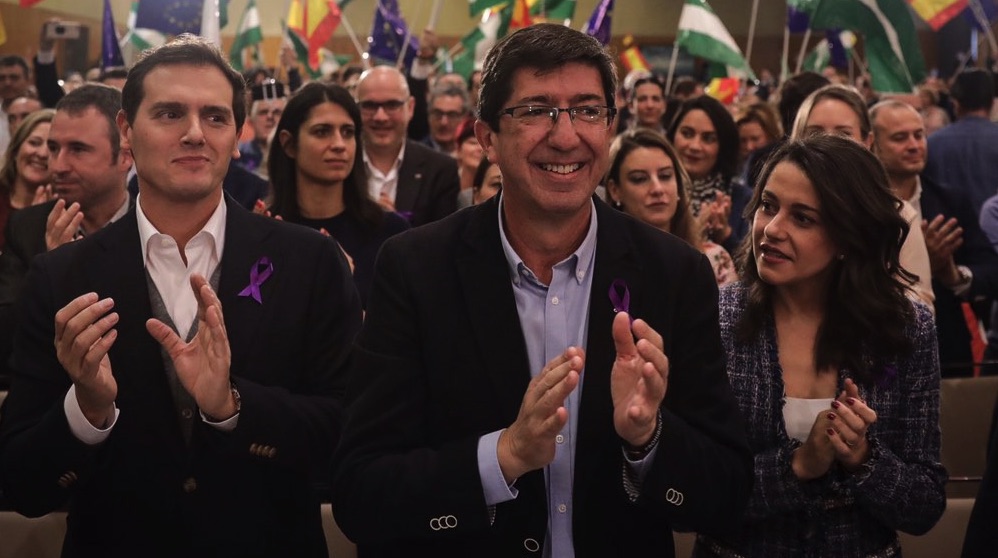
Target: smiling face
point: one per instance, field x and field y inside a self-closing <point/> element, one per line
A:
<point x="697" y="143"/>
<point x="550" y="169"/>
<point x="32" y="158"/>
<point x="648" y="187"/>
<point x="183" y="135"/>
<point x="83" y="168"/>
<point x="899" y="141"/>
<point x="325" y="148"/>
<point x="790" y="245"/>
<point x="387" y="119"/>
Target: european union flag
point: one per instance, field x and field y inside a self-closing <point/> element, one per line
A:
<point x="388" y="34"/>
<point x="172" y="17"/>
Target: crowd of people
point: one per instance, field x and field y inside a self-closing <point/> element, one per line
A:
<point x="535" y="311"/>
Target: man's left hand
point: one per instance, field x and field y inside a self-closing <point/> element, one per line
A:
<point x="942" y="238"/>
<point x="638" y="380"/>
<point x="203" y="364"/>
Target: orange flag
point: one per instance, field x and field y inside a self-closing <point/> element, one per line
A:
<point x="521" y="15"/>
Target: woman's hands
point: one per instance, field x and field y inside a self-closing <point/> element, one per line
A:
<point x="837" y="435"/>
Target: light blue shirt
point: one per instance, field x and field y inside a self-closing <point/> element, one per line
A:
<point x="553" y="317"/>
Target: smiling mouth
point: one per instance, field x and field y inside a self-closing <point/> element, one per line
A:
<point x="769" y="251"/>
<point x="561" y="169"/>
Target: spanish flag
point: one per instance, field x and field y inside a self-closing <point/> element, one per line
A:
<point x="314" y="21"/>
<point x="631" y="58"/>
<point x="938" y="12"/>
<point x="521" y="15"/>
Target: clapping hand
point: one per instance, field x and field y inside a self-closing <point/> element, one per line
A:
<point x="639" y="379"/>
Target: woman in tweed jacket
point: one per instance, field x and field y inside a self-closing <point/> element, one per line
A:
<point x="835" y="370"/>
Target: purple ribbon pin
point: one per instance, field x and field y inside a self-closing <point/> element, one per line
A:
<point x="260" y="272"/>
<point x="620" y="296"/>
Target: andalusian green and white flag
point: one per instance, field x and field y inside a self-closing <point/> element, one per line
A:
<point x="137" y="39"/>
<point x="702" y="34"/>
<point x="245" y="51"/>
<point x="890" y="42"/>
<point x="477" y="43"/>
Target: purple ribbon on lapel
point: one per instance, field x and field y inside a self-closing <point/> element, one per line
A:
<point x="407" y="215"/>
<point x="620" y="296"/>
<point x="260" y="272"/>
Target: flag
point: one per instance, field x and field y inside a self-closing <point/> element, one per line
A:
<point x="388" y="33"/>
<point x="110" y="51"/>
<point x="599" y="23"/>
<point x="245" y="51"/>
<point x="521" y="15"/>
<point x="797" y="20"/>
<point x="210" y="29"/>
<point x="723" y="89"/>
<point x="137" y="39"/>
<point x="891" y="45"/>
<point x="314" y="23"/>
<point x="980" y="10"/>
<point x="552" y="10"/>
<point x="631" y="58"/>
<point x="938" y="12"/>
<point x="494" y="26"/>
<point x="172" y="17"/>
<point x="702" y="34"/>
<point x="28" y="3"/>
<point x="3" y="32"/>
<point x="476" y="7"/>
<point x="833" y="50"/>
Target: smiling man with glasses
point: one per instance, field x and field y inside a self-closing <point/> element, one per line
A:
<point x="540" y="373"/>
<point x="403" y="175"/>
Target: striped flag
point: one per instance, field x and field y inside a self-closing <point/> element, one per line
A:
<point x="631" y="58"/>
<point x="702" y="34"/>
<point x="314" y="22"/>
<point x="245" y="51"/>
<point x="521" y="15"/>
<point x="138" y="39"/>
<point x="938" y="12"/>
<point x="494" y="26"/>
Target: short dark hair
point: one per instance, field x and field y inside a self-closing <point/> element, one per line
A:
<point x="974" y="89"/>
<point x="861" y="217"/>
<point x="105" y="99"/>
<point x="186" y="49"/>
<point x="15" y="60"/>
<point x="652" y="79"/>
<point x="792" y="95"/>
<point x="724" y="126"/>
<point x="543" y="47"/>
<point x="112" y="73"/>
<point x="283" y="169"/>
<point x="684" y="86"/>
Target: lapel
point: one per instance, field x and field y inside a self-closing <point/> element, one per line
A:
<point x="495" y="324"/>
<point x="248" y="238"/>
<point x="410" y="178"/>
<point x="616" y="258"/>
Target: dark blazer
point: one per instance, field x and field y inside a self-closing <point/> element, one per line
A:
<point x="143" y="491"/>
<point x="427" y="185"/>
<point x="441" y="361"/>
<point x="977" y="254"/>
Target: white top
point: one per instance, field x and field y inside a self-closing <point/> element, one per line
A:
<point x="384" y="183"/>
<point x="799" y="415"/>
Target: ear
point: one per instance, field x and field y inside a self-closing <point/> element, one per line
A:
<point x="486" y="138"/>
<point x="287" y="144"/>
<point x="124" y="132"/>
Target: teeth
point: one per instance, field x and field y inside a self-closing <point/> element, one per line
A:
<point x="562" y="169"/>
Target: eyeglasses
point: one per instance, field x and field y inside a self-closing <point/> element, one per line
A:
<point x="438" y="114"/>
<point x="370" y="108"/>
<point x="537" y="115"/>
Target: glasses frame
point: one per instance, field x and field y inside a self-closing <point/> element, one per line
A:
<point x="555" y="112"/>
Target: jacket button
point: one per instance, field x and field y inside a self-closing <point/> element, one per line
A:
<point x="190" y="485"/>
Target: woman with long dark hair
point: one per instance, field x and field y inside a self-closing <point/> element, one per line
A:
<point x="835" y="370"/>
<point x="317" y="172"/>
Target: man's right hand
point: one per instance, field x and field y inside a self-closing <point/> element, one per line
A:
<point x="529" y="443"/>
<point x="83" y="337"/>
<point x="62" y="224"/>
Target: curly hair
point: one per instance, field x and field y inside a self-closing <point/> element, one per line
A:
<point x="860" y="215"/>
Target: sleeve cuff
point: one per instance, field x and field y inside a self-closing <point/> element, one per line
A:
<point x="78" y="423"/>
<point x="493" y="484"/>
<point x="227" y="425"/>
<point x="46" y="57"/>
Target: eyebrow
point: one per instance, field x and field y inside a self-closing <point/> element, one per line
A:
<point x="574" y="101"/>
<point x="797" y="205"/>
<point x="180" y="107"/>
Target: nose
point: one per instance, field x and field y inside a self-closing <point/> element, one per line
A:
<point x="563" y="134"/>
<point x="657" y="188"/>
<point x="774" y="228"/>
<point x="194" y="134"/>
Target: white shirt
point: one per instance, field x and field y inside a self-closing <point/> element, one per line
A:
<point x="172" y="278"/>
<point x="378" y="182"/>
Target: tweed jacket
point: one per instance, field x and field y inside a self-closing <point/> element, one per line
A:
<point x="839" y="514"/>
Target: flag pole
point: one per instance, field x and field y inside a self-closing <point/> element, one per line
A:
<point x="408" y="36"/>
<point x="751" y="32"/>
<point x="785" y="58"/>
<point x="353" y="38"/>
<point x="803" y="50"/>
<point x="434" y="14"/>
<point x="672" y="66"/>
<point x="982" y="20"/>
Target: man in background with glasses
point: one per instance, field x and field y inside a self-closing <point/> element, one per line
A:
<point x="540" y="373"/>
<point x="403" y="175"/>
<point x="269" y="99"/>
<point x="449" y="106"/>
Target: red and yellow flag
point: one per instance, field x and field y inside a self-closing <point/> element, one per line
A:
<point x="521" y="15"/>
<point x="631" y="58"/>
<point x="723" y="89"/>
<point x="938" y="12"/>
<point x="315" y="21"/>
<point x="28" y="3"/>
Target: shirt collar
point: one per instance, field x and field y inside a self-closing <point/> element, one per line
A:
<point x="214" y="228"/>
<point x="398" y="160"/>
<point x="583" y="254"/>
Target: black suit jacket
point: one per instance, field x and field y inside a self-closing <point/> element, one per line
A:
<point x="143" y="491"/>
<point x="977" y="254"/>
<point x="441" y="361"/>
<point x="427" y="185"/>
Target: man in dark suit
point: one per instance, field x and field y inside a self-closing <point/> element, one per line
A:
<point x="168" y="419"/>
<point x="403" y="175"/>
<point x="963" y="264"/>
<point x="504" y="402"/>
<point x="88" y="175"/>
